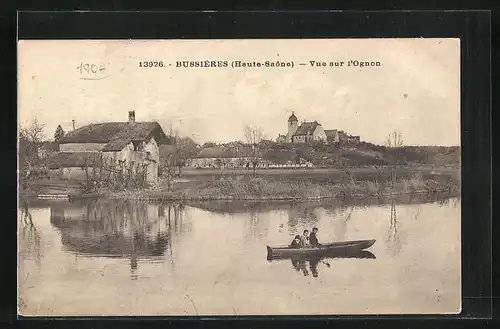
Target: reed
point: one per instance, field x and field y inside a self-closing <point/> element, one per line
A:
<point x="267" y="188"/>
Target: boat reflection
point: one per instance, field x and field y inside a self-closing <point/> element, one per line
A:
<point x="309" y="265"/>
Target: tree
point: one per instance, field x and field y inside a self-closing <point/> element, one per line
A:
<point x="266" y="144"/>
<point x="59" y="133"/>
<point x="34" y="132"/>
<point x="394" y="140"/>
<point x="30" y="139"/>
<point x="254" y="136"/>
<point x="186" y="148"/>
<point x="209" y="144"/>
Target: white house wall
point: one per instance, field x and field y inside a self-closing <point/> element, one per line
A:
<point x="319" y="134"/>
<point x="215" y="162"/>
<point x="128" y="154"/>
<point x="152" y="147"/>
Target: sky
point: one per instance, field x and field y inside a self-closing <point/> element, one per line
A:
<point x="415" y="90"/>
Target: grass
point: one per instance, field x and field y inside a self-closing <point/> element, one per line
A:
<point x="270" y="188"/>
<point x="259" y="188"/>
<point x="298" y="184"/>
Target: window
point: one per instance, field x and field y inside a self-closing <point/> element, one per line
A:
<point x="138" y="146"/>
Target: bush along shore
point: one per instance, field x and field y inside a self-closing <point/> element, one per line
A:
<point x="257" y="188"/>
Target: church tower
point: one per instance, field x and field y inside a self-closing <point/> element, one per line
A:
<point x="292" y="127"/>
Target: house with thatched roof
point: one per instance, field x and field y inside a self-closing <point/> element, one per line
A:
<point x="132" y="143"/>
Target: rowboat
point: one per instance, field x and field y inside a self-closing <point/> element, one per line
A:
<point x="330" y="249"/>
<point x="359" y="254"/>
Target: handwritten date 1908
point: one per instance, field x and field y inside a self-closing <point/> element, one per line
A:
<point x="151" y="64"/>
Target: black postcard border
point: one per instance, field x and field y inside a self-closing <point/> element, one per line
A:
<point x="472" y="27"/>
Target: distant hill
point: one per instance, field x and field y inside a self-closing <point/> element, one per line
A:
<point x="369" y="154"/>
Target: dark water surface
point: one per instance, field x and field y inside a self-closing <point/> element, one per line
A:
<point x="109" y="257"/>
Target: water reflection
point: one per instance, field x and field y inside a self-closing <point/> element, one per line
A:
<point x="300" y="213"/>
<point x="393" y="239"/>
<point x="93" y="252"/>
<point x="112" y="228"/>
<point x="341" y="224"/>
<point x="30" y="238"/>
<point x="308" y="265"/>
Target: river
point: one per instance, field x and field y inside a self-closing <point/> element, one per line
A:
<point x="110" y="257"/>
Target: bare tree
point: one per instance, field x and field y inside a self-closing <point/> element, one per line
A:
<point x="394" y="140"/>
<point x="254" y="135"/>
<point x="170" y="131"/>
<point x="30" y="139"/>
<point x="34" y="132"/>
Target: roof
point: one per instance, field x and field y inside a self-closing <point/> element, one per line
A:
<point x="49" y="146"/>
<point x="292" y="118"/>
<point x="331" y="132"/>
<point x="70" y="159"/>
<point x="234" y="144"/>
<point x="215" y="152"/>
<point x="306" y="128"/>
<point x="116" y="134"/>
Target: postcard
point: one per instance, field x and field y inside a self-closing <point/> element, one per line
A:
<point x="239" y="177"/>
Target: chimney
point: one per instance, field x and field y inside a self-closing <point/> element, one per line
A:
<point x="131" y="116"/>
<point x="73" y="124"/>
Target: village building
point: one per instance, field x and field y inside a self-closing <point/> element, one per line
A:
<point x="283" y="159"/>
<point x="221" y="157"/>
<point x="308" y="132"/>
<point x="281" y="139"/>
<point x="343" y="137"/>
<point x="353" y="139"/>
<point x="332" y="136"/>
<point x="225" y="158"/>
<point x="131" y="143"/>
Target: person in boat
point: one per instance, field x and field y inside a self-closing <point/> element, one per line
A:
<point x="304" y="239"/>
<point x="313" y="239"/>
<point x="296" y="242"/>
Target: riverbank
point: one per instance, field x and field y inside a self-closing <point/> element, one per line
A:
<point x="291" y="185"/>
<point x="261" y="189"/>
